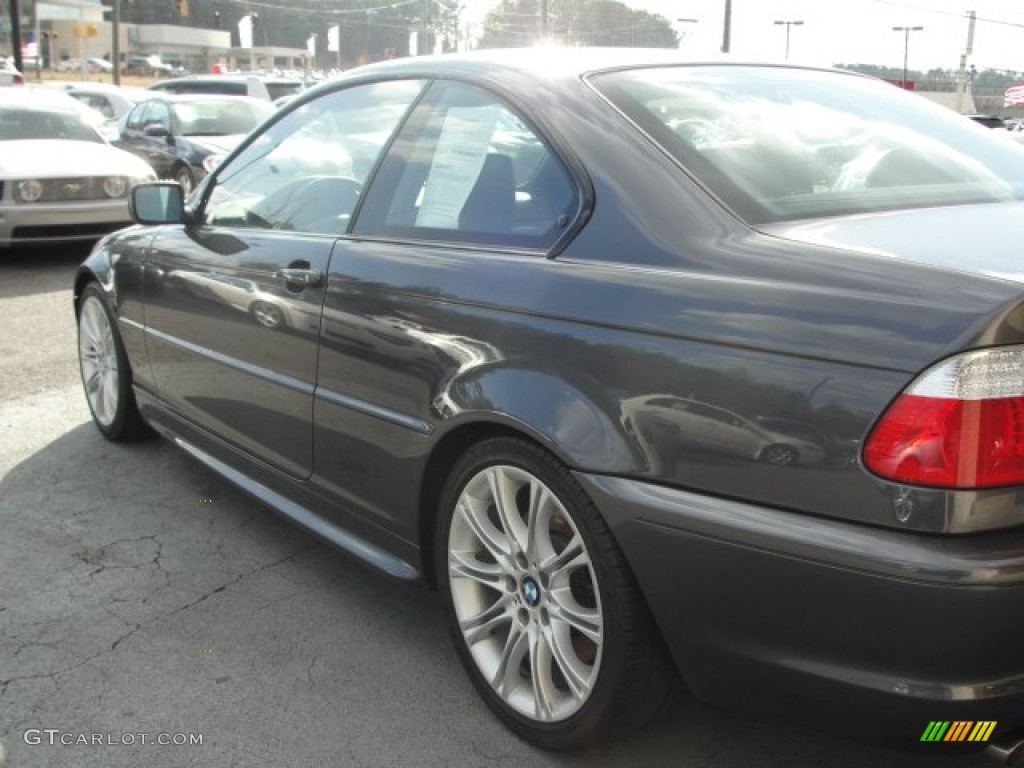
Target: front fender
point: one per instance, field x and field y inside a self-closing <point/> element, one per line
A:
<point x="118" y="263"/>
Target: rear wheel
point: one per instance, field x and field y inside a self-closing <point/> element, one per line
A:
<point x="543" y="608"/>
<point x="781" y="455"/>
<point x="106" y="376"/>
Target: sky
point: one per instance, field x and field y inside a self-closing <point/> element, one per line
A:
<point x="856" y="31"/>
<point x="850" y="31"/>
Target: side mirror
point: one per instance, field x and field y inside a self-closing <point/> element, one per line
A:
<point x="158" y="202"/>
<point x="156" y="130"/>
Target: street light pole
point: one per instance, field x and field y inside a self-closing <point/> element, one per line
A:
<point x="906" y="48"/>
<point x="727" y="27"/>
<point x="683" y="35"/>
<point x="790" y="23"/>
<point x="16" y="35"/>
<point x="115" y="43"/>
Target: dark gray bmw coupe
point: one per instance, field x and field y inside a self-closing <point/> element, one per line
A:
<point x="650" y="367"/>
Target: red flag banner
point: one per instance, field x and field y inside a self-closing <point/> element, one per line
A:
<point x="1014" y="96"/>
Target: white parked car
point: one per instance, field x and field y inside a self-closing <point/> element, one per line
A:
<point x="9" y="74"/>
<point x="112" y="102"/>
<point x="61" y="181"/>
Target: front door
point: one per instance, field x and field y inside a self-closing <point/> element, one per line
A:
<point x="233" y="317"/>
<point x="234" y="300"/>
<point x="157" y="150"/>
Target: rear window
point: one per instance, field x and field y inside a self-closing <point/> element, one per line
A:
<point x="778" y="144"/>
<point x="212" y="117"/>
<point x="279" y="90"/>
<point x="222" y="88"/>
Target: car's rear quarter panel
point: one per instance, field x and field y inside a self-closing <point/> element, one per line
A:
<point x="662" y="292"/>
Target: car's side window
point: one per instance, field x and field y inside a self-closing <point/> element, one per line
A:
<point x="138" y="115"/>
<point x="158" y="114"/>
<point x="98" y="102"/>
<point x="306" y="172"/>
<point x="467" y="168"/>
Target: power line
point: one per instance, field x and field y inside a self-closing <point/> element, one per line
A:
<point x="953" y="14"/>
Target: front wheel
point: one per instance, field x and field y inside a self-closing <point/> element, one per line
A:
<point x="106" y="375"/>
<point x="267" y="315"/>
<point x="543" y="608"/>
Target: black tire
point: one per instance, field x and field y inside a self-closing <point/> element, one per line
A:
<point x="630" y="675"/>
<point x="780" y="455"/>
<point x="116" y="417"/>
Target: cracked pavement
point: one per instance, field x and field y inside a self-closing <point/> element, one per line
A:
<point x="139" y="593"/>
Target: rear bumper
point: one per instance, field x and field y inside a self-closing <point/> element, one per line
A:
<point x="868" y="632"/>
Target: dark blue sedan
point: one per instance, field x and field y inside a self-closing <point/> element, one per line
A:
<point x="184" y="137"/>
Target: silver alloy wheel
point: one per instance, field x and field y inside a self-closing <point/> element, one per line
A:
<point x="525" y="593"/>
<point x="267" y="315"/>
<point x="97" y="356"/>
<point x="780" y="454"/>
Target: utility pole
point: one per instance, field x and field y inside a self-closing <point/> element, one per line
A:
<point x="543" y="19"/>
<point x="727" y="26"/>
<point x="115" y="42"/>
<point x="16" y="35"/>
<point x="968" y="50"/>
<point x="906" y="48"/>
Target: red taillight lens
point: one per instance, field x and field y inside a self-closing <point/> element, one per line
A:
<point x="960" y="425"/>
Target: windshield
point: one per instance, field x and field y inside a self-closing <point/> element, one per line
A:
<point x="23" y="123"/>
<point x="216" y="117"/>
<point x="777" y="144"/>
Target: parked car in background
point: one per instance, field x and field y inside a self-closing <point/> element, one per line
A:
<point x="147" y="66"/>
<point x="1015" y="130"/>
<point x="111" y="101"/>
<point x="91" y="66"/>
<point x="182" y="137"/>
<point x="504" y="288"/>
<point x="9" y="74"/>
<point x="59" y="180"/>
<point x="256" y="86"/>
<point x="989" y="121"/>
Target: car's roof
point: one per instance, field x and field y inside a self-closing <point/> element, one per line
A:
<point x="200" y="97"/>
<point x="36" y="95"/>
<point x="239" y="77"/>
<point x="550" y="61"/>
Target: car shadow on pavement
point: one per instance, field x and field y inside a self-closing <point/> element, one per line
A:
<point x="140" y="593"/>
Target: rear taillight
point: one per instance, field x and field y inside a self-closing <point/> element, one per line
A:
<point x="959" y="425"/>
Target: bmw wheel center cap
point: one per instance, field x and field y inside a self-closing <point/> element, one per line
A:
<point x="530" y="592"/>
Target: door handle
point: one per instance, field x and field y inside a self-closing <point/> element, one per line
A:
<point x="301" y="278"/>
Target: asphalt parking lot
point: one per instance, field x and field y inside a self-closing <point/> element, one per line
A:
<point x="140" y="594"/>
